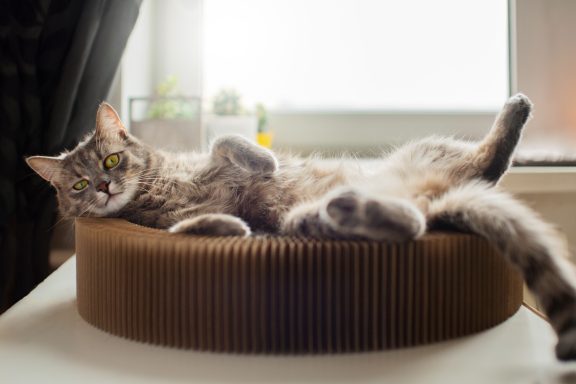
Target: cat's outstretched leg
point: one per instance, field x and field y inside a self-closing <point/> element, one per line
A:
<point x="212" y="224"/>
<point x="351" y="214"/>
<point x="494" y="154"/>
<point x="528" y="242"/>
<point x="244" y="154"/>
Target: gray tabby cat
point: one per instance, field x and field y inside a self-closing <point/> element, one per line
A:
<point x="239" y="187"/>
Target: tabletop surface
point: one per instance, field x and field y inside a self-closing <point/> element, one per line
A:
<point x="43" y="339"/>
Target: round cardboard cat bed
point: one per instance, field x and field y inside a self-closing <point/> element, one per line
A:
<point x="288" y="295"/>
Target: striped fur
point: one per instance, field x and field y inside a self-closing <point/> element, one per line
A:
<point x="238" y="188"/>
<point x="528" y="242"/>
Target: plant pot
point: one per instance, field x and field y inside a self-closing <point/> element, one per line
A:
<point x="265" y="139"/>
<point x="173" y="135"/>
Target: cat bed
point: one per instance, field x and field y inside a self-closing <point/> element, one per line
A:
<point x="288" y="295"/>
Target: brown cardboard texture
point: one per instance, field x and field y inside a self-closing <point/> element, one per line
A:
<point x="288" y="295"/>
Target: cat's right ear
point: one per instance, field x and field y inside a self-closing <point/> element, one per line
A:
<point x="45" y="166"/>
<point x="108" y="123"/>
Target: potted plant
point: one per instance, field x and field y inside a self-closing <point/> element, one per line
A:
<point x="170" y="121"/>
<point x="229" y="117"/>
<point x="264" y="137"/>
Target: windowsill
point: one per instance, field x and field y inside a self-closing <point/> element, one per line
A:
<point x="524" y="179"/>
<point x="542" y="179"/>
<point x="529" y="179"/>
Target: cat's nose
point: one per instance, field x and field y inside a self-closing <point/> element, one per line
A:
<point x="103" y="186"/>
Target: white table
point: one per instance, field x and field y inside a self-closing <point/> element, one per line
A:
<point x="43" y="340"/>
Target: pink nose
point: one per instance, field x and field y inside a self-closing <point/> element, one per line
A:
<point x="103" y="186"/>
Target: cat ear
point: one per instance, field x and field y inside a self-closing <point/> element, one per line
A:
<point x="108" y="123"/>
<point x="46" y="167"/>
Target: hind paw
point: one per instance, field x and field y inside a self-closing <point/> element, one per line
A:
<point x="353" y="214"/>
<point x="519" y="107"/>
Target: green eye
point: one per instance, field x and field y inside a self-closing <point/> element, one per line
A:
<point x="80" y="185"/>
<point x="111" y="161"/>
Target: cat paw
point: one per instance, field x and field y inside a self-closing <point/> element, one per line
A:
<point x="566" y="347"/>
<point x="245" y="154"/>
<point x="355" y="215"/>
<point x="518" y="107"/>
<point x="304" y="221"/>
<point x="212" y="225"/>
<point x="520" y="100"/>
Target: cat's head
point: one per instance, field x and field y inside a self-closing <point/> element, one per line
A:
<point x="100" y="176"/>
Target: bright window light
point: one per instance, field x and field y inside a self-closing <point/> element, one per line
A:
<point x="358" y="55"/>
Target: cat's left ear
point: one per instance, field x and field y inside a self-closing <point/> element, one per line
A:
<point x="108" y="123"/>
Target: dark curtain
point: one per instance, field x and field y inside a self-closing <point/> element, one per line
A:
<point x="57" y="62"/>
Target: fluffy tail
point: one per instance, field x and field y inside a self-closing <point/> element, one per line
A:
<point x="494" y="154"/>
<point x="527" y="242"/>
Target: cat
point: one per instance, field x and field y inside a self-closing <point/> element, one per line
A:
<point x="239" y="187"/>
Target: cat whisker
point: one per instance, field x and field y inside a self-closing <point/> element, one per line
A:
<point x="91" y="204"/>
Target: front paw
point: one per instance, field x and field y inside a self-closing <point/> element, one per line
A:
<point x="245" y="154"/>
<point x="304" y="221"/>
<point x="213" y="224"/>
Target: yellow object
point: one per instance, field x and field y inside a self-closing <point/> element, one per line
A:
<point x="264" y="139"/>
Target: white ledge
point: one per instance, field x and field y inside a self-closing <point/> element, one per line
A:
<point x="533" y="179"/>
<point x="540" y="180"/>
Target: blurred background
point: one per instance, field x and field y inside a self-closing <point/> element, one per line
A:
<point x="353" y="74"/>
<point x="325" y="76"/>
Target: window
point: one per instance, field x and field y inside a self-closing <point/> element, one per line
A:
<point x="334" y="74"/>
<point x="359" y="55"/>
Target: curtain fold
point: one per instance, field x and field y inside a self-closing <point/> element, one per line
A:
<point x="57" y="62"/>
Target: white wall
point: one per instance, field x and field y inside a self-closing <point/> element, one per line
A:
<point x="166" y="41"/>
<point x="137" y="65"/>
<point x="178" y="43"/>
<point x="545" y="63"/>
<point x="551" y="191"/>
<point x="544" y="68"/>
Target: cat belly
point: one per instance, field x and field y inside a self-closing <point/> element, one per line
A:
<point x="416" y="184"/>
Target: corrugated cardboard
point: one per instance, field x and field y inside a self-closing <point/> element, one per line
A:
<point x="288" y="295"/>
